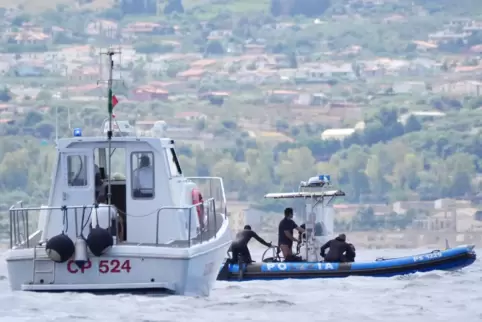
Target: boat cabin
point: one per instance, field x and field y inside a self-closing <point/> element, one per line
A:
<point x="146" y="181"/>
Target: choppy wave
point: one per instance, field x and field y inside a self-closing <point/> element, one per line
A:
<point x="435" y="296"/>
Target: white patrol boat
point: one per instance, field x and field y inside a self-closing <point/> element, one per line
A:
<point x="170" y="233"/>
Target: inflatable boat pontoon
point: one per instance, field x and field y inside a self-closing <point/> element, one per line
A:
<point x="450" y="259"/>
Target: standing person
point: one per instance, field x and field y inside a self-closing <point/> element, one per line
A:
<point x="98" y="180"/>
<point x="105" y="217"/>
<point x="239" y="247"/>
<point x="285" y="233"/>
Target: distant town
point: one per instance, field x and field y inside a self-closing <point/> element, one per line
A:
<point x="383" y="95"/>
<point x="301" y="84"/>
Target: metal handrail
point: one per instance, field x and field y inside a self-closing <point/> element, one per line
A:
<point x="51" y="208"/>
<point x="19" y="219"/>
<point x="190" y="208"/>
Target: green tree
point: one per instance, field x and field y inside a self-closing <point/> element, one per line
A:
<point x="294" y="166"/>
<point x="406" y="172"/>
<point x="412" y="125"/>
<point x="260" y="175"/>
<point x="463" y="169"/>
<point x="231" y="173"/>
<point x="214" y="48"/>
<point x="173" y="6"/>
<point x="376" y="176"/>
<point x="14" y="170"/>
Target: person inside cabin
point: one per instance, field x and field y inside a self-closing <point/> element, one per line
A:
<point x="285" y="234"/>
<point x="80" y="178"/>
<point x="143" y="183"/>
<point x="105" y="217"/>
<point x="98" y="180"/>
<point x="239" y="247"/>
<point x="339" y="250"/>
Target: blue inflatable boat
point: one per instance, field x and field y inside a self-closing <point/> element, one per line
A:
<point x="449" y="259"/>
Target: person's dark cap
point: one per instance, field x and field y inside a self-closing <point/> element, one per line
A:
<point x="247" y="227"/>
<point x="342" y="237"/>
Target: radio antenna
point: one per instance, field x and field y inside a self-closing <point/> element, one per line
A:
<point x="110" y="105"/>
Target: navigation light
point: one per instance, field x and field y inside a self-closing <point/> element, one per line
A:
<point x="77" y="132"/>
<point x="325" y="178"/>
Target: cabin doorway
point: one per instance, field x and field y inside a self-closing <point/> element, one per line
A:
<point x="77" y="177"/>
<point x="117" y="180"/>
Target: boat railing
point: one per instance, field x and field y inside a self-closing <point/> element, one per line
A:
<point x="195" y="234"/>
<point x="212" y="187"/>
<point x="23" y="231"/>
<point x="18" y="224"/>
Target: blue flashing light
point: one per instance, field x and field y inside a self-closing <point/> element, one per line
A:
<point x="77" y="132"/>
<point x="325" y="178"/>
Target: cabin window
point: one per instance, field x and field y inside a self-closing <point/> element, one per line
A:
<point x="174" y="167"/>
<point x="118" y="162"/>
<point x="77" y="170"/>
<point x="142" y="175"/>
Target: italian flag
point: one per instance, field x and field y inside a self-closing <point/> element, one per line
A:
<point x="112" y="101"/>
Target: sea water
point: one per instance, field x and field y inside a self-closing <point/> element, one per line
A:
<point x="428" y="297"/>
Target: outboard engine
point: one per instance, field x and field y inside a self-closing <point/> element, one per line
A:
<point x="99" y="241"/>
<point x="80" y="252"/>
<point x="60" y="248"/>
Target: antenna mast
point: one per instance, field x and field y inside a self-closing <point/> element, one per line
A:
<point x="110" y="53"/>
<point x="56" y="126"/>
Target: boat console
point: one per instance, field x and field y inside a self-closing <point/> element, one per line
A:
<point x="318" y="216"/>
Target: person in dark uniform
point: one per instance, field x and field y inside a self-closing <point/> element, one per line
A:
<point x="338" y="249"/>
<point x="350" y="254"/>
<point x="98" y="181"/>
<point x="239" y="247"/>
<point x="285" y="233"/>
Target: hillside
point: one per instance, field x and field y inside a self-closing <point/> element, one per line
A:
<point x="383" y="95"/>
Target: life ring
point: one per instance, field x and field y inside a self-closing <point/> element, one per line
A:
<point x="197" y="199"/>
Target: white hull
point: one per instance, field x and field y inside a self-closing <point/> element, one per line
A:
<point x="183" y="271"/>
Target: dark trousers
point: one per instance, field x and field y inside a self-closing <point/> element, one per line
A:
<point x="348" y="258"/>
<point x="241" y="252"/>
